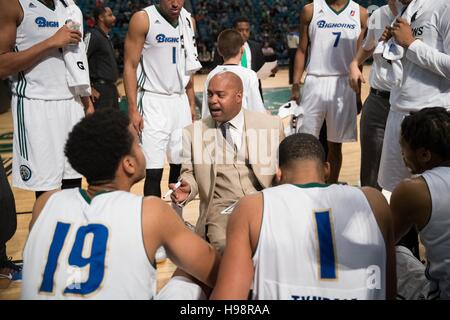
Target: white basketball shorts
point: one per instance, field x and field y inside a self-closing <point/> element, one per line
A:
<point x="41" y="128"/>
<point x="332" y="99"/>
<point x="392" y="167"/>
<point x="164" y="120"/>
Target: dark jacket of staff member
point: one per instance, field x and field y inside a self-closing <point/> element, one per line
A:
<point x="102" y="60"/>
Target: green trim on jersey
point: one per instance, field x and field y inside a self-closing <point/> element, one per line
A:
<point x="20" y="90"/>
<point x="86" y="197"/>
<point x="141" y="83"/>
<point x="312" y="185"/>
<point x="336" y="11"/>
<point x="140" y="105"/>
<point x="142" y="75"/>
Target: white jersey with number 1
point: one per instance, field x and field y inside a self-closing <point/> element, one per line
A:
<point x="158" y="71"/>
<point x="333" y="36"/>
<point x="318" y="242"/>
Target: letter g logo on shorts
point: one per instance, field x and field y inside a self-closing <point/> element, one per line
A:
<point x="80" y="65"/>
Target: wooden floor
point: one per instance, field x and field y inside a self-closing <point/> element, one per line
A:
<point x="25" y="199"/>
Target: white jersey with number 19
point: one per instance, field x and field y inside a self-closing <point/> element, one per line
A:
<point x="80" y="248"/>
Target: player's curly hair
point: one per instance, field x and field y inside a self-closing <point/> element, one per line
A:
<point x="98" y="143"/>
<point x="430" y="129"/>
<point x="300" y="146"/>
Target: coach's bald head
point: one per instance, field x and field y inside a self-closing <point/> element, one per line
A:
<point x="225" y="92"/>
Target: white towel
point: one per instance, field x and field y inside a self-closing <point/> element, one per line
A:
<point x="75" y="59"/>
<point x="188" y="54"/>
<point x="394" y="52"/>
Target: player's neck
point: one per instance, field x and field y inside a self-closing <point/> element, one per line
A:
<point x="93" y="190"/>
<point x="438" y="163"/>
<point x="337" y="4"/>
<point x="173" y="22"/>
<point x="234" y="60"/>
<point x="104" y="28"/>
<point x="48" y="3"/>
<point x="302" y="180"/>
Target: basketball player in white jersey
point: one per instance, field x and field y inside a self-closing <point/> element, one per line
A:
<point x="424" y="32"/>
<point x="161" y="98"/>
<point x="230" y="46"/>
<point x="100" y="243"/>
<point x="44" y="107"/>
<point x="423" y="201"/>
<point x="306" y="240"/>
<point x="333" y="31"/>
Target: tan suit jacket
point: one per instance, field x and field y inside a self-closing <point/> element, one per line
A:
<point x="263" y="134"/>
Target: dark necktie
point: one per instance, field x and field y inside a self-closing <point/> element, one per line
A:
<point x="225" y="129"/>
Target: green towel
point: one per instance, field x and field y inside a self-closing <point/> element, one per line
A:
<point x="244" y="60"/>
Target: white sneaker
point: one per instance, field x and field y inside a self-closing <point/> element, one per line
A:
<point x="160" y="255"/>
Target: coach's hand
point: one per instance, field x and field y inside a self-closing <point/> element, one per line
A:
<point x="180" y="194"/>
<point x="402" y="32"/>
<point x="355" y="77"/>
<point x="295" y="93"/>
<point x="64" y="36"/>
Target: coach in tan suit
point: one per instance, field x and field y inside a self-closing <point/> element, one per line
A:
<point x="227" y="155"/>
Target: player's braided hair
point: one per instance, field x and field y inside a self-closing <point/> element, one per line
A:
<point x="300" y="146"/>
<point x="98" y="143"/>
<point x="430" y="129"/>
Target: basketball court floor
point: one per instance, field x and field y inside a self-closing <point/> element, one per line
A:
<point x="276" y="93"/>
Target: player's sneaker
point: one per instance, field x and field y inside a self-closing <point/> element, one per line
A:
<point x="9" y="264"/>
<point x="9" y="271"/>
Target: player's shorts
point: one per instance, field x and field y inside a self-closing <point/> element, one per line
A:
<point x="41" y="128"/>
<point x="412" y="284"/>
<point x="181" y="288"/>
<point x="329" y="98"/>
<point x="164" y="120"/>
<point x="392" y="167"/>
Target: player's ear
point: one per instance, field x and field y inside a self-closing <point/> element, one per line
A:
<point x="326" y="170"/>
<point x="423" y="155"/>
<point x="278" y="176"/>
<point x="129" y="165"/>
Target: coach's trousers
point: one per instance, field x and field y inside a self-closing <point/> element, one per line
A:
<point x="8" y="219"/>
